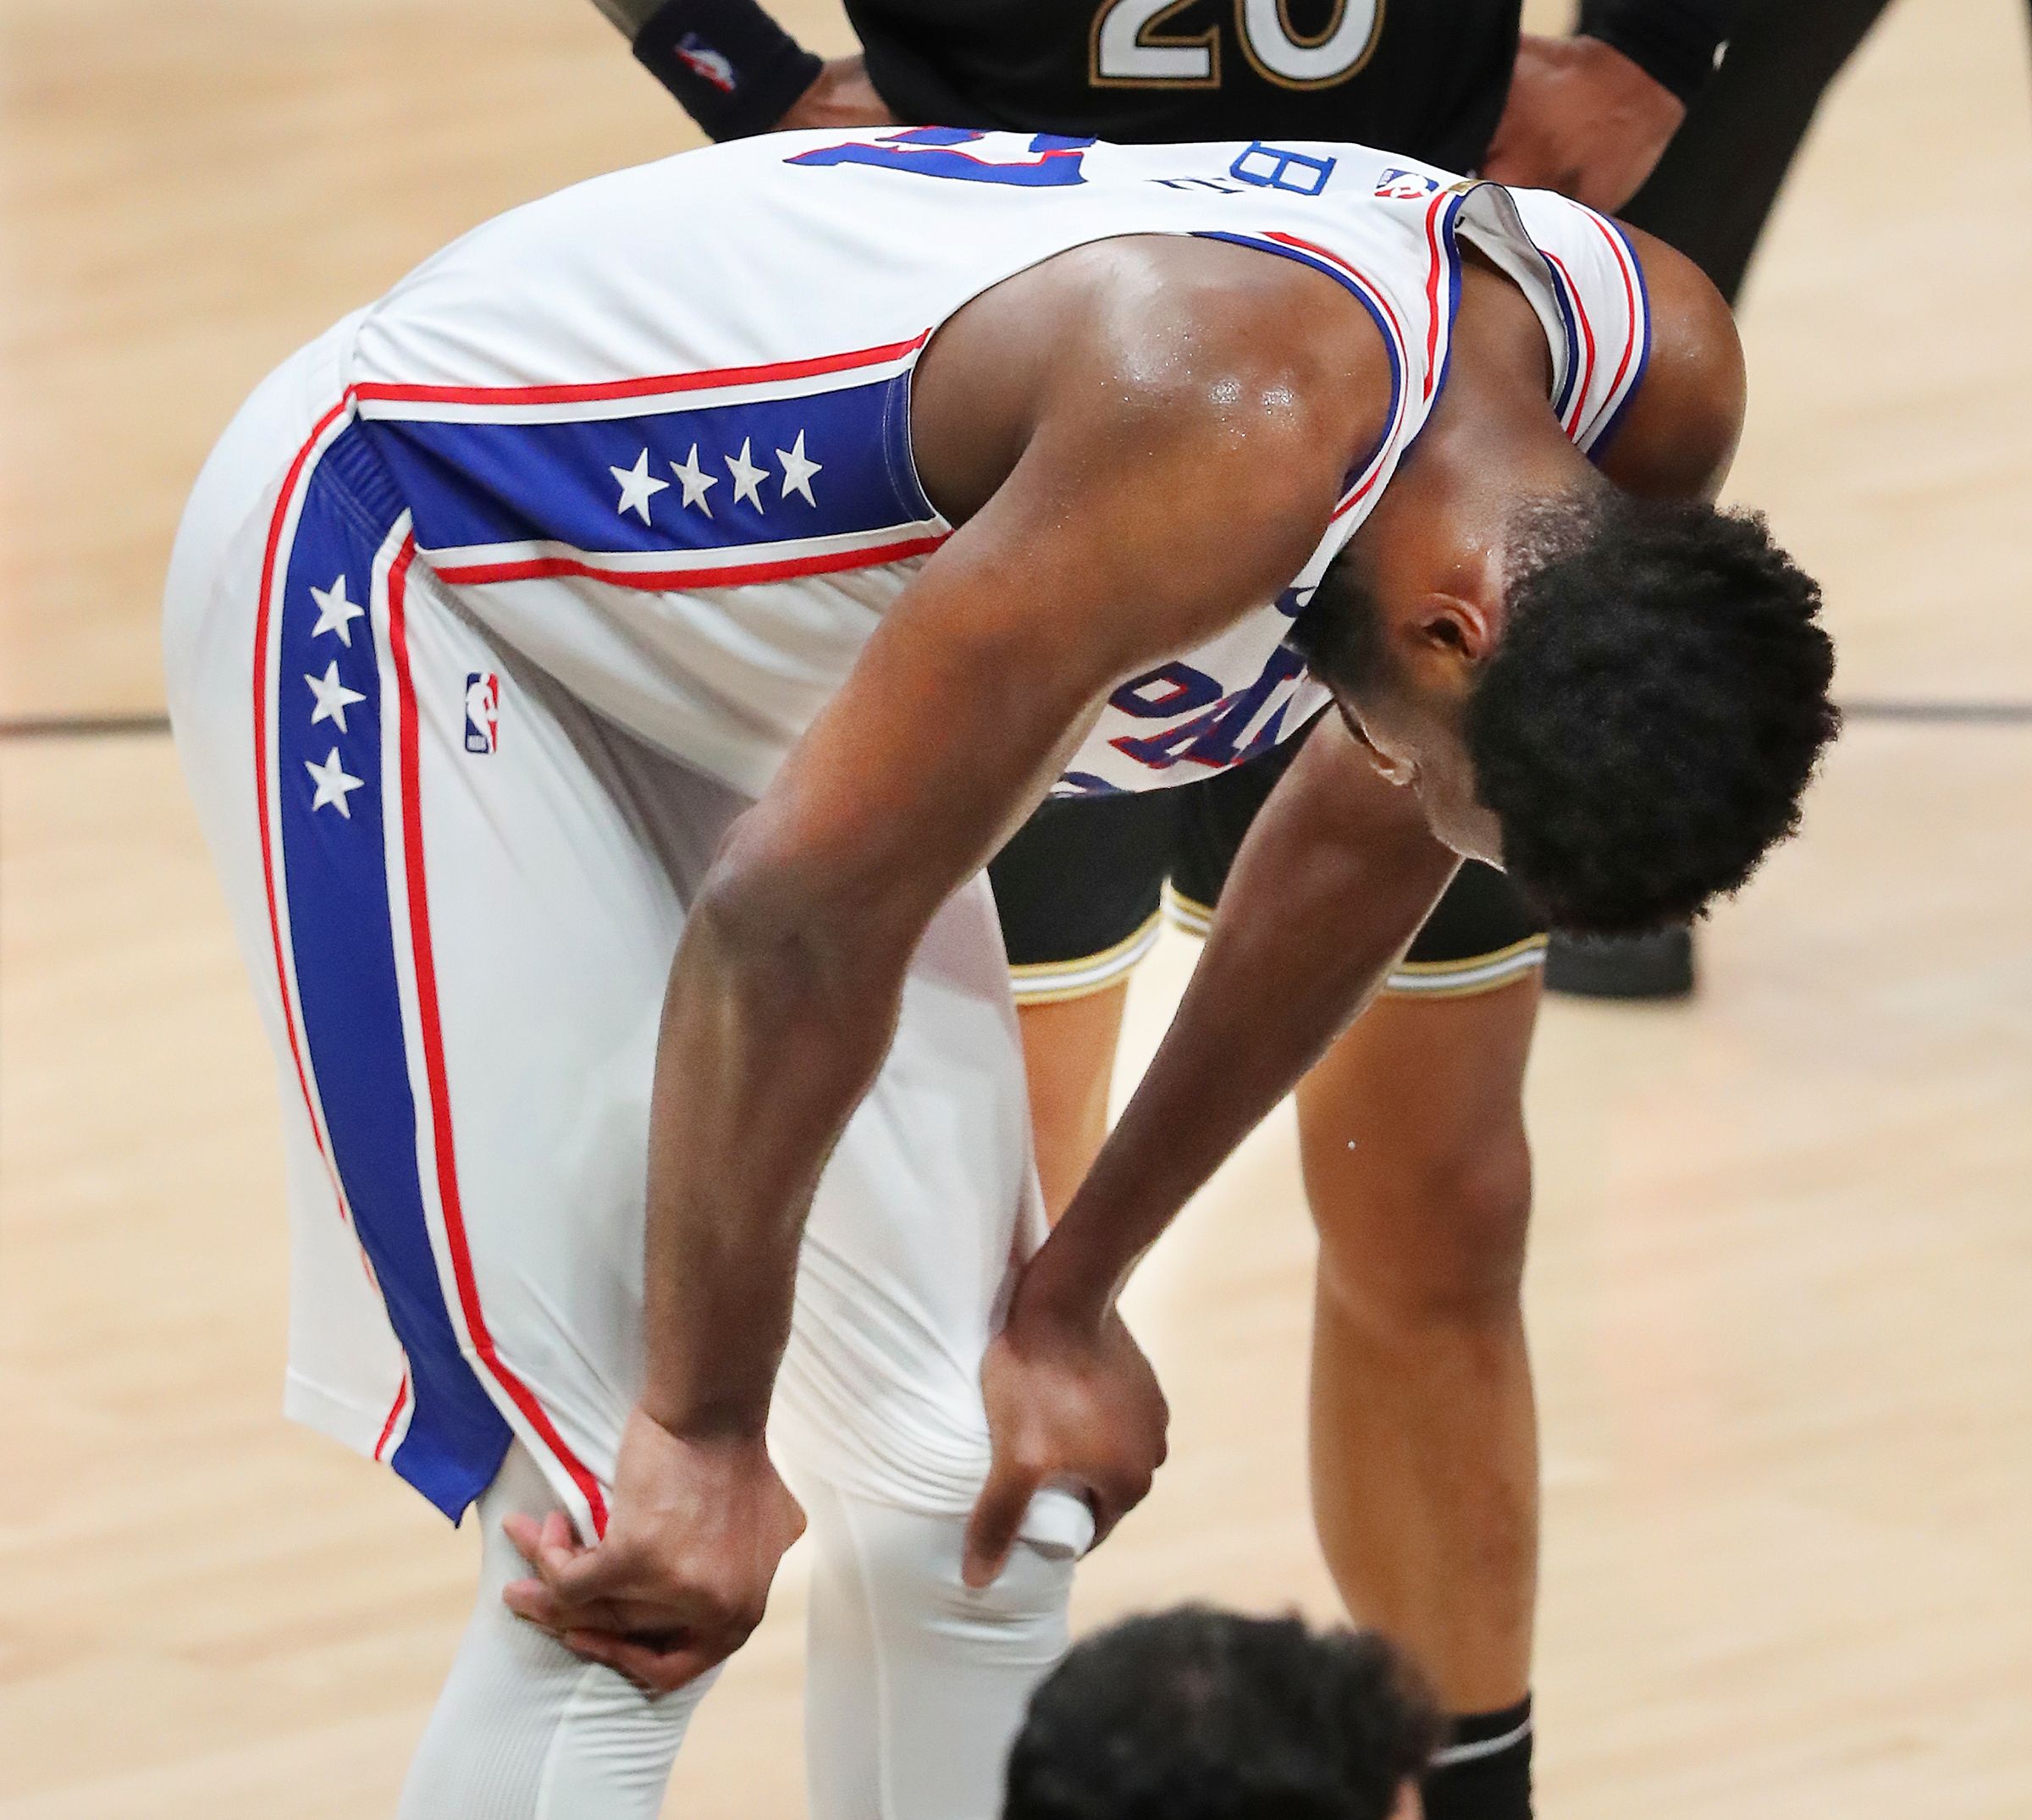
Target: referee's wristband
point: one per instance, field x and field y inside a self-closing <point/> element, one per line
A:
<point x="734" y="69"/>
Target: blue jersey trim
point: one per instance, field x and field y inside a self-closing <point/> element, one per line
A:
<point x="1452" y="247"/>
<point x="1607" y="433"/>
<point x="1570" y="329"/>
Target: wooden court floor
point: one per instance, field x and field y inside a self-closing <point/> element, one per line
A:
<point x="1784" y="1250"/>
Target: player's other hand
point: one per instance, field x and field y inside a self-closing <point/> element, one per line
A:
<point x="1583" y="119"/>
<point x="842" y="97"/>
<point x="1070" y="1404"/>
<point x="683" y="1572"/>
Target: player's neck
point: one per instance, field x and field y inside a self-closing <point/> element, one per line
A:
<point x="1495" y="326"/>
<point x="1492" y="438"/>
<point x="1449" y="511"/>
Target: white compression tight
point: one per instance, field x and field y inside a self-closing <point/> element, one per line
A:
<point x="915" y="1685"/>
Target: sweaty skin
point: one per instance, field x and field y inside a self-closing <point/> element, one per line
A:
<point x="1142" y="441"/>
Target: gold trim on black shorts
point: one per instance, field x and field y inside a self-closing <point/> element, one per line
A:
<point x="1054" y="982"/>
<point x="1461" y="978"/>
<point x="1465" y="978"/>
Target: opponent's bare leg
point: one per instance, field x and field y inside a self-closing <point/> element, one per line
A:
<point x="1069" y="1059"/>
<point x="1424" y="1433"/>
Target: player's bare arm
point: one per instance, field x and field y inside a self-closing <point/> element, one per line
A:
<point x="1334" y="879"/>
<point x="1679" y="436"/>
<point x="1344" y="867"/>
<point x="1143" y="444"/>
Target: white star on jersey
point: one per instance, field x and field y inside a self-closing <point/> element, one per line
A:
<point x="333" y="785"/>
<point x="333" y="696"/>
<point x="335" y="613"/>
<point x="695" y="481"/>
<point x="748" y="477"/>
<point x="639" y="486"/>
<point x="797" y="470"/>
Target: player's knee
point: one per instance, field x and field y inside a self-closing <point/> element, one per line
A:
<point x="1433" y="1236"/>
<point x="910" y="1562"/>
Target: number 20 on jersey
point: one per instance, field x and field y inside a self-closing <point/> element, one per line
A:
<point x="1131" y="48"/>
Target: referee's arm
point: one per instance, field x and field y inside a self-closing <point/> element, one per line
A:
<point x="737" y="72"/>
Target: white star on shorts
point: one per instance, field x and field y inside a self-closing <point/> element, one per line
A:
<point x="333" y="785"/>
<point x="797" y="470"/>
<point x="695" y="481"/>
<point x="333" y="696"/>
<point x="748" y="477"/>
<point x="639" y="486"/>
<point x="335" y="613"/>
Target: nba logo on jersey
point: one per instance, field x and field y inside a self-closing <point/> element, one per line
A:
<point x="1399" y="185"/>
<point x="482" y="711"/>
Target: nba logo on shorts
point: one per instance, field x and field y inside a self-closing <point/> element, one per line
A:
<point x="482" y="711"/>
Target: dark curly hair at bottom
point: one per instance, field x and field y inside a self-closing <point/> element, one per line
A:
<point x="1653" y="711"/>
<point x="1195" y="1714"/>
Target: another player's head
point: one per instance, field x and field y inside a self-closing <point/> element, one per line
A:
<point x="1626" y="715"/>
<point x="1202" y="1715"/>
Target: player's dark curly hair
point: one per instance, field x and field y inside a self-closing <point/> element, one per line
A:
<point x="1195" y="1714"/>
<point x="1653" y="711"/>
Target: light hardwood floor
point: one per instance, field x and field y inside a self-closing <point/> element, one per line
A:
<point x="1785" y="1247"/>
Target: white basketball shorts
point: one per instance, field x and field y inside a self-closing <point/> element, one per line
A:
<point x="458" y="891"/>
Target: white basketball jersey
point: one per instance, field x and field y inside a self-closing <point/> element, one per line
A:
<point x="655" y="430"/>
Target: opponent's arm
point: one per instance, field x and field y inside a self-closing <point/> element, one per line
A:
<point x="1331" y="884"/>
<point x="1147" y="508"/>
<point x="1590" y="115"/>
<point x="737" y="72"/>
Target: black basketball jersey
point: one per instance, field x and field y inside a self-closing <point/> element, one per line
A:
<point x="1424" y="77"/>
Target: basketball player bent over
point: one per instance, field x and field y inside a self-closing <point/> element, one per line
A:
<point x="603" y="667"/>
<point x="1422" y="1432"/>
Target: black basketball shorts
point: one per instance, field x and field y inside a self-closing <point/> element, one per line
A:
<point x="1083" y="887"/>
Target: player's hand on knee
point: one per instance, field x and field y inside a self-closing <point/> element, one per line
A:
<point x="1069" y="1405"/>
<point x="682" y="1575"/>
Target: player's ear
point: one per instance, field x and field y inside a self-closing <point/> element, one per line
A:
<point x="1455" y="626"/>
